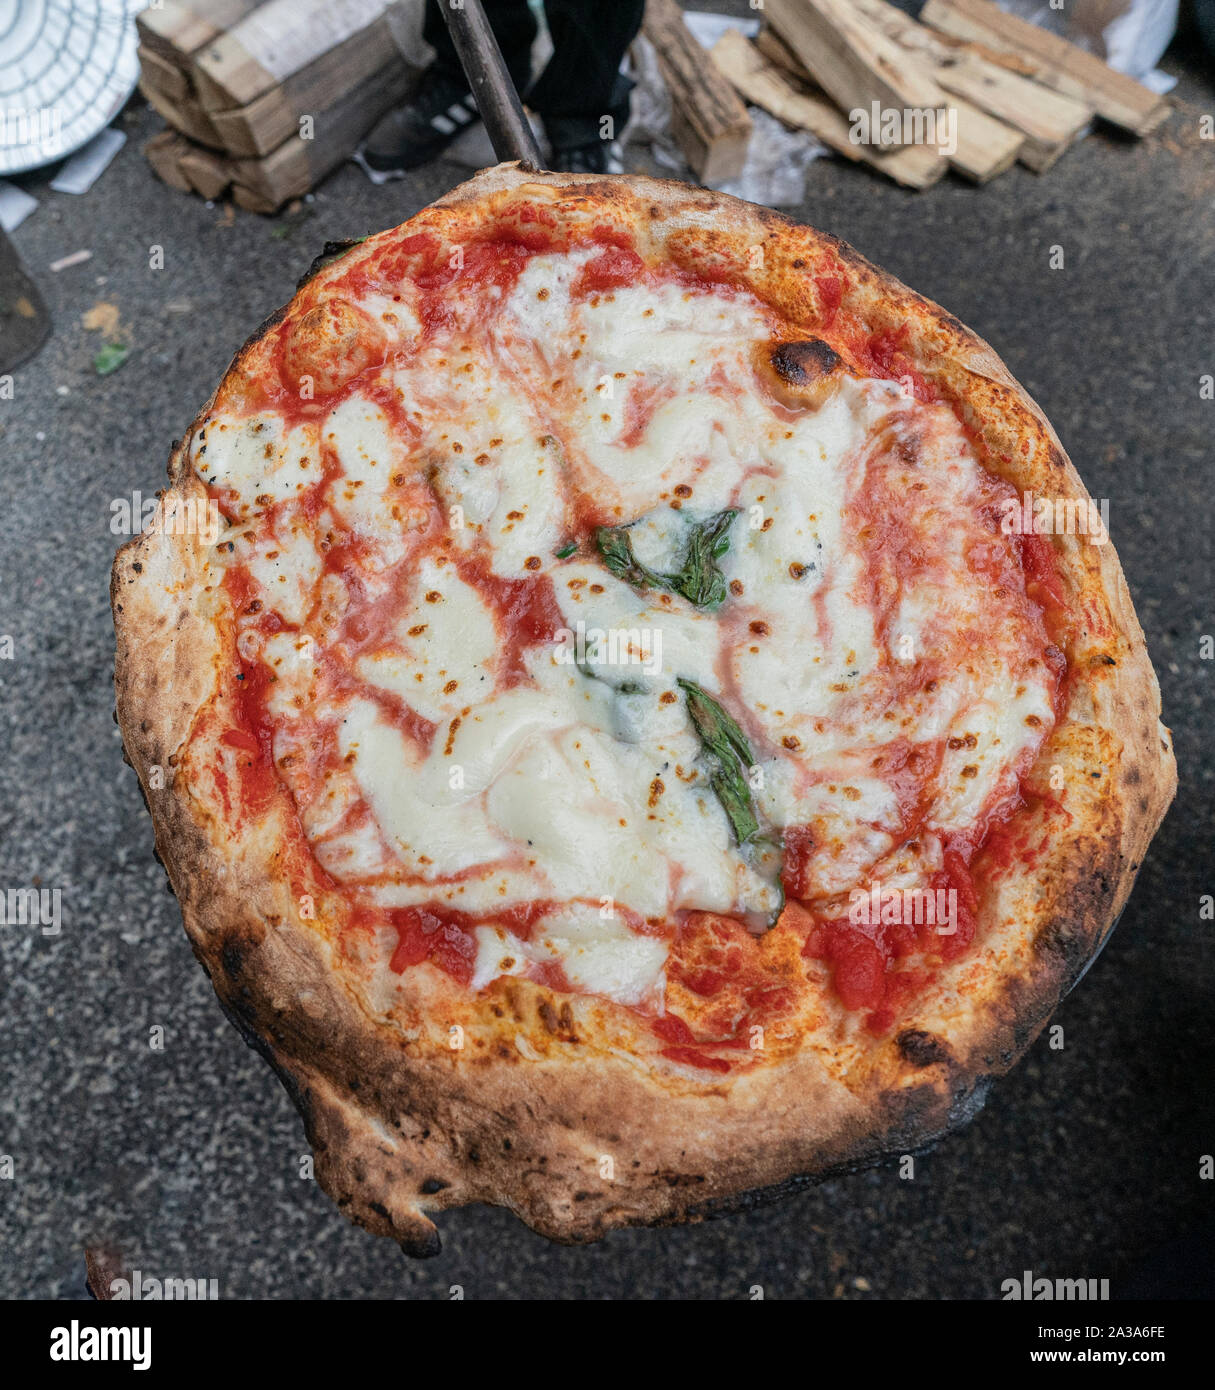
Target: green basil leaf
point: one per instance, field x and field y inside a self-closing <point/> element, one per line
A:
<point x="718" y="731"/>
<point x="727" y="745"/>
<point x="617" y="551"/>
<point x="735" y="797"/>
<point x="698" y="579"/>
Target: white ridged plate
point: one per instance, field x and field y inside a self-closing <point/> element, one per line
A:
<point x="66" y="68"/>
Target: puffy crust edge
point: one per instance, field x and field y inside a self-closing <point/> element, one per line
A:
<point x="401" y="1130"/>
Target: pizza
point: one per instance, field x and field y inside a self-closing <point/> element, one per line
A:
<point x="618" y="746"/>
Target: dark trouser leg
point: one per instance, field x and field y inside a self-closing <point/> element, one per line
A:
<point x="514" y="27"/>
<point x="582" y="82"/>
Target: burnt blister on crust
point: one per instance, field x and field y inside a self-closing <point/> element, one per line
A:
<point x="330" y="252"/>
<point x="801" y="374"/>
<point x="921" y="1049"/>
<point x="803" y="364"/>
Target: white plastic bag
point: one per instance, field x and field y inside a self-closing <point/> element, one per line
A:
<point x="777" y="157"/>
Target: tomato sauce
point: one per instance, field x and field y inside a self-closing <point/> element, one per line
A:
<point x="830" y="294"/>
<point x="739" y="989"/>
<point x="526" y="610"/>
<point x="435" y="934"/>
<point x="884" y="355"/>
<point x="609" y="269"/>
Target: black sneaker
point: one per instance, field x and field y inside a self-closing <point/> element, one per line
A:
<point x="441" y="109"/>
<point x="599" y="157"/>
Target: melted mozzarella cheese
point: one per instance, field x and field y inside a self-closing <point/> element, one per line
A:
<point x="431" y="823"/>
<point x="287" y="572"/>
<point x="443" y="646"/>
<point x="292" y="660"/>
<point x="393" y="310"/>
<point x="797" y="574"/>
<point x="508" y="493"/>
<point x="361" y="495"/>
<point x="600" y="954"/>
<point x="597" y="952"/>
<point x="257" y="459"/>
<point x="984" y="747"/>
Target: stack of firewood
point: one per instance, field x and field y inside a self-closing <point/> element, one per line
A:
<point x="265" y="97"/>
<point x="969" y="88"/>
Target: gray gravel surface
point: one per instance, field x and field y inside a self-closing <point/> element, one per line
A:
<point x="1084" y="1160"/>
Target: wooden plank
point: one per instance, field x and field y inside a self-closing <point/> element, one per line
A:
<point x="168" y="79"/>
<point x="256" y="129"/>
<point x="1049" y="121"/>
<point x="315" y="50"/>
<point x="935" y="48"/>
<point x="986" y="146"/>
<point x="1055" y="63"/>
<point x="763" y="82"/>
<point x="251" y="201"/>
<point x="263" y="124"/>
<point x="264" y="184"/>
<point x="778" y="52"/>
<point x="298" y="165"/>
<point x="164" y="152"/>
<point x="898" y="25"/>
<point x="850" y="60"/>
<point x="186" y="116"/>
<point x="175" y="29"/>
<point x="708" y="120"/>
<point x="207" y="173"/>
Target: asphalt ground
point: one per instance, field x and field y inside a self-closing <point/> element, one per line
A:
<point x="1085" y="1160"/>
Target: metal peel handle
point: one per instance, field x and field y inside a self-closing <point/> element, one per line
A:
<point x="499" y="104"/>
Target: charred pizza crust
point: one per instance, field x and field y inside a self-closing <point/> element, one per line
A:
<point x="544" y="1108"/>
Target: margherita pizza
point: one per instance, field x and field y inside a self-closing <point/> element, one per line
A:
<point x="621" y="747"/>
